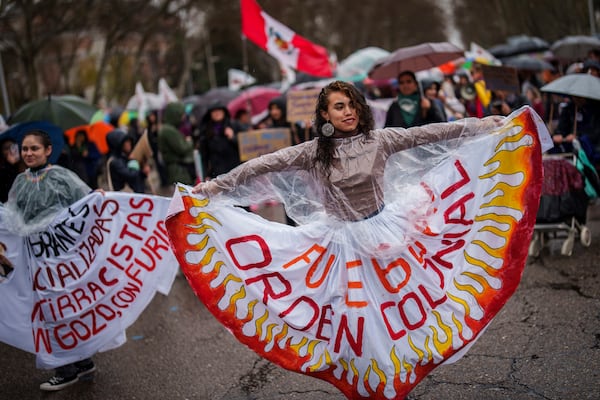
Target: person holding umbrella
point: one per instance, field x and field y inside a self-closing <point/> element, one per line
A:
<point x="580" y="118"/>
<point x="410" y="108"/>
<point x="36" y="196"/>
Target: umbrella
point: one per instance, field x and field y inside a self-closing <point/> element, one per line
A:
<point x="580" y="85"/>
<point x="96" y="133"/>
<point x="356" y="66"/>
<point x="18" y="131"/>
<point x="254" y="99"/>
<point x="575" y="47"/>
<point x="528" y="63"/>
<point x="415" y="58"/>
<point x="65" y="111"/>
<point x="198" y="104"/>
<point x="520" y="44"/>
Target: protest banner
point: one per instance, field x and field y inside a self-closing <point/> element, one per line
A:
<point x="301" y="104"/>
<point x="79" y="283"/>
<point x="262" y="141"/>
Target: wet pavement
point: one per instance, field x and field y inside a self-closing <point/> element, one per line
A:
<point x="544" y="344"/>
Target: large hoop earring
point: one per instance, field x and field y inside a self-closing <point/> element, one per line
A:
<point x="327" y="129"/>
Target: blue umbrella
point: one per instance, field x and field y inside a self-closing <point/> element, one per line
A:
<point x="18" y="131"/>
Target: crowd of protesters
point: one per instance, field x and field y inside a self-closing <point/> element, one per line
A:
<point x="151" y="154"/>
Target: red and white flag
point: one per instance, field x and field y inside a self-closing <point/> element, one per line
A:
<point x="282" y="43"/>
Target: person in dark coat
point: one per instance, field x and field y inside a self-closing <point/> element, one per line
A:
<point x="85" y="159"/>
<point x="277" y="118"/>
<point x="120" y="168"/>
<point x="218" y="142"/>
<point x="11" y="165"/>
<point x="410" y="108"/>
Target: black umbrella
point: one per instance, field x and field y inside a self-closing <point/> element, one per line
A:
<point x="527" y="63"/>
<point x="199" y="104"/>
<point x="575" y="47"/>
<point x="521" y="44"/>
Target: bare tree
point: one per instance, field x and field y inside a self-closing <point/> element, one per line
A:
<point x="27" y="26"/>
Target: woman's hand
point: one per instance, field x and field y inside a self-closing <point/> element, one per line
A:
<point x="207" y="188"/>
<point x="493" y="121"/>
<point x="229" y="133"/>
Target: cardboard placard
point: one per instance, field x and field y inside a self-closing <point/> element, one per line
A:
<point x="262" y="141"/>
<point x="301" y="104"/>
<point x="501" y="78"/>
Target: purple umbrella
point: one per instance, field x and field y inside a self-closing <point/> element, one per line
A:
<point x="415" y="58"/>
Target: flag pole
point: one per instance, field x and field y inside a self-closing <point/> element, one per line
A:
<point x="245" y="66"/>
<point x="245" y="53"/>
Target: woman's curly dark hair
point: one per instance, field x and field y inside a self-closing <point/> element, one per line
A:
<point x="325" y="146"/>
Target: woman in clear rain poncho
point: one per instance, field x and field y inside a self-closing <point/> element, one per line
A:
<point x="62" y="302"/>
<point x="408" y="242"/>
<point x="346" y="163"/>
<point x="37" y="195"/>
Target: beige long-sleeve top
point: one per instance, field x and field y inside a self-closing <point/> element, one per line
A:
<point x="354" y="189"/>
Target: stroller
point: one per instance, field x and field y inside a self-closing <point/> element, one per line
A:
<point x="570" y="183"/>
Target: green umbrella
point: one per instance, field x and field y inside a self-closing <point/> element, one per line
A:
<point x="66" y="111"/>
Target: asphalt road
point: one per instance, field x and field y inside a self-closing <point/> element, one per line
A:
<point x="544" y="344"/>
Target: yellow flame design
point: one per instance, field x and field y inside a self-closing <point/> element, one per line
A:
<point x="316" y="366"/>
<point x="420" y="353"/>
<point x="240" y="294"/>
<point x="460" y="301"/>
<point x="260" y="322"/>
<point x="441" y="346"/>
<point x="207" y="259"/>
<point x="353" y="368"/>
<point x="231" y="278"/>
<point x="250" y="313"/>
<point x="378" y="371"/>
<point x="269" y="335"/>
<point x="299" y="345"/>
<point x="281" y="335"/>
<point x="465" y="288"/>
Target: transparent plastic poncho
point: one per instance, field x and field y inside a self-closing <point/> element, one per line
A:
<point x="36" y="197"/>
<point x="402" y="257"/>
<point x="369" y="174"/>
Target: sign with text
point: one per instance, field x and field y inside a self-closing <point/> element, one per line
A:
<point x="85" y="278"/>
<point x="262" y="141"/>
<point x="501" y="78"/>
<point x="301" y="104"/>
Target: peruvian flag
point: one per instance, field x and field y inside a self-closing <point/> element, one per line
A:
<point x="283" y="43"/>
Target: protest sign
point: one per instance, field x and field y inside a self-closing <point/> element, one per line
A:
<point x="301" y="104"/>
<point x="79" y="283"/>
<point x="262" y="141"/>
<point x="501" y="78"/>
